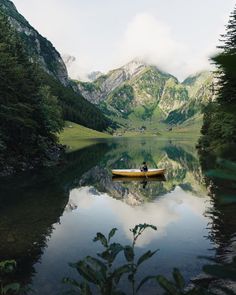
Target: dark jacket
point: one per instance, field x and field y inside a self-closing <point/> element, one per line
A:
<point x="144" y="168"/>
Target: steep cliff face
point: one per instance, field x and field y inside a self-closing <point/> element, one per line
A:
<point x="143" y="91"/>
<point x="38" y="47"/>
<point x="174" y="96"/>
<point x="200" y="91"/>
<point x="200" y="86"/>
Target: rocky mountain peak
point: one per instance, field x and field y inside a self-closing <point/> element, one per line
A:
<point x="134" y="67"/>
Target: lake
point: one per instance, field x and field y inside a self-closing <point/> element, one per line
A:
<point x="49" y="218"/>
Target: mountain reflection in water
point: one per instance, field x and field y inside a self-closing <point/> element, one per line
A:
<point x="50" y="219"/>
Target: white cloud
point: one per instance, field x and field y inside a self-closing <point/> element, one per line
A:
<point x="77" y="68"/>
<point x="153" y="41"/>
<point x="179" y="37"/>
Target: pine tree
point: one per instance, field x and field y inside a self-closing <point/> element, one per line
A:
<point x="219" y="124"/>
<point x="229" y="39"/>
<point x="226" y="63"/>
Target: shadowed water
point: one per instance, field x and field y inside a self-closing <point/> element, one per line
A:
<point x="50" y="219"/>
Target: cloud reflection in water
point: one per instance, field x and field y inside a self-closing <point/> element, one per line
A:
<point x="162" y="212"/>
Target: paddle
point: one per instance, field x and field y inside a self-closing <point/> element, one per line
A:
<point x="145" y="172"/>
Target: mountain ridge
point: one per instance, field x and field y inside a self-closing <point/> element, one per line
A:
<point x="144" y="90"/>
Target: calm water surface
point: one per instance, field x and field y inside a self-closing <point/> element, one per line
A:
<point x="49" y="219"/>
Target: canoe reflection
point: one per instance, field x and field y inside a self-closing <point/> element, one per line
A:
<point x="138" y="179"/>
<point x="142" y="180"/>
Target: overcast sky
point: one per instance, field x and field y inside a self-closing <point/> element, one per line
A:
<point x="176" y="35"/>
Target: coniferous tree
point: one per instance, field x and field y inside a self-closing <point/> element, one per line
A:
<point x="225" y="63"/>
<point x="219" y="124"/>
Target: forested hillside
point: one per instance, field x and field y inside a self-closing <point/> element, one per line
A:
<point x="75" y="107"/>
<point x="29" y="114"/>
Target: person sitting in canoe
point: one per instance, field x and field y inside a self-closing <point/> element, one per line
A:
<point x="144" y="167"/>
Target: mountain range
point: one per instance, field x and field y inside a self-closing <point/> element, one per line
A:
<point x="143" y="92"/>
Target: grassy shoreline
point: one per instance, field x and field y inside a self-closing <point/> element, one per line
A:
<point x="76" y="137"/>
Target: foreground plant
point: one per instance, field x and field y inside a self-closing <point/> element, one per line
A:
<point x="100" y="275"/>
<point x="100" y="271"/>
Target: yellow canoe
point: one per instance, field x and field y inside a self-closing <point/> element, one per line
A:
<point x="138" y="173"/>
